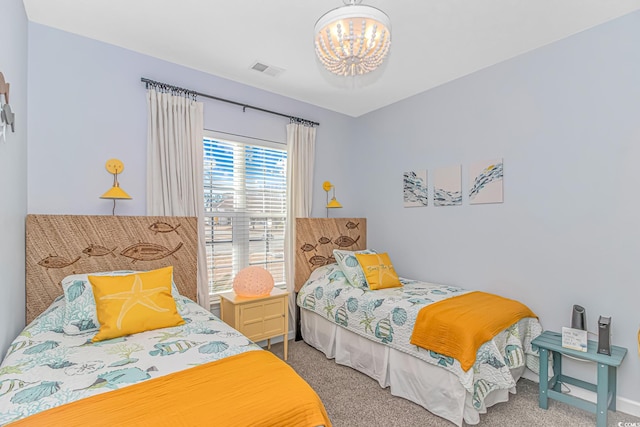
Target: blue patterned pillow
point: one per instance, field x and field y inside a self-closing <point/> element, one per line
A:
<point x="349" y="265"/>
<point x="80" y="306"/>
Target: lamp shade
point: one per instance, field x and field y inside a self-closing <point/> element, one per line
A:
<point x="253" y="281"/>
<point x="115" y="193"/>
<point x="333" y="203"/>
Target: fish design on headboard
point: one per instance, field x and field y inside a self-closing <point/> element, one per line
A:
<point x="54" y="261"/>
<point x="98" y="250"/>
<point x="346" y="241"/>
<point x="351" y="235"/>
<point x="308" y="247"/>
<point x="319" y="260"/>
<point x="148" y="251"/>
<point x="163" y="227"/>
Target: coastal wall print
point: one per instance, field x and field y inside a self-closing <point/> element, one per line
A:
<point x="447" y="186"/>
<point x="7" y="117"/>
<point x="485" y="182"/>
<point x="415" y="191"/>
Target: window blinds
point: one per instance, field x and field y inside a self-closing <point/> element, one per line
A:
<point x="245" y="210"/>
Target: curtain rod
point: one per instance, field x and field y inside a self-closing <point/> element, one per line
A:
<point x="246" y="136"/>
<point x="149" y="82"/>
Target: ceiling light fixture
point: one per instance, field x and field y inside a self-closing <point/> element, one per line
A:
<point x="352" y="39"/>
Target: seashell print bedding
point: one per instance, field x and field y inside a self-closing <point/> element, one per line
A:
<point x="45" y="368"/>
<point x="388" y="316"/>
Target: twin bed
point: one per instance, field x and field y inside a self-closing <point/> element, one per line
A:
<point x="199" y="371"/>
<point x="371" y="330"/>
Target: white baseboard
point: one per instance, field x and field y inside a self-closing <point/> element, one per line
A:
<point x="623" y="404"/>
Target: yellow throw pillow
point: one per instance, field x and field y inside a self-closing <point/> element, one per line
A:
<point x="378" y="271"/>
<point x="134" y="303"/>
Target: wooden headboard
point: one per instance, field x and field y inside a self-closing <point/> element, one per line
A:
<point x="60" y="245"/>
<point x="316" y="238"/>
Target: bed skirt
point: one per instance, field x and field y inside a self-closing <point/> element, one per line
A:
<point x="435" y="389"/>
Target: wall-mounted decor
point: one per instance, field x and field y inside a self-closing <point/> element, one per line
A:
<point x="115" y="166"/>
<point x="485" y="182"/>
<point x="414" y="189"/>
<point x="333" y="203"/>
<point x="447" y="186"/>
<point x="7" y="117"/>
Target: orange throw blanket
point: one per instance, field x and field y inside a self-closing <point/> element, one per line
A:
<point x="249" y="389"/>
<point x="458" y="326"/>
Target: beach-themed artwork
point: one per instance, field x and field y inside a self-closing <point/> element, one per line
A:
<point x="447" y="183"/>
<point x="415" y="189"/>
<point x="7" y="117"/>
<point x="485" y="182"/>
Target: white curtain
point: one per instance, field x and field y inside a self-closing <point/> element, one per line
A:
<point x="301" y="142"/>
<point x="174" y="167"/>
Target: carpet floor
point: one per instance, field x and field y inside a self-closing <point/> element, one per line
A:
<point x="353" y="399"/>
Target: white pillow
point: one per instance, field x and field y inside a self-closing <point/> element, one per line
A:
<point x="349" y="265"/>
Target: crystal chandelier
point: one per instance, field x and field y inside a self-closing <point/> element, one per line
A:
<point x="352" y="39"/>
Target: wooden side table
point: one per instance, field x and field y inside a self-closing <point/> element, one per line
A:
<point x="258" y="318"/>
<point x="606" y="381"/>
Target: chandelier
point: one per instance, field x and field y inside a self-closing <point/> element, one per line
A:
<point x="352" y="39"/>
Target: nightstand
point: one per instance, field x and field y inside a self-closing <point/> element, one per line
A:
<point x="258" y="318"/>
<point x="606" y="383"/>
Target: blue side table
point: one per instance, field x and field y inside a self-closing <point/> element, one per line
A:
<point x="606" y="380"/>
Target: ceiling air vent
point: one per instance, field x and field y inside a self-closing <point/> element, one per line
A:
<point x="269" y="70"/>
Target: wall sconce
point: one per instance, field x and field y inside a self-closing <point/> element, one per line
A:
<point x="115" y="167"/>
<point x="327" y="186"/>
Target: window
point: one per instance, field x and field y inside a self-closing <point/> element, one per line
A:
<point x="245" y="192"/>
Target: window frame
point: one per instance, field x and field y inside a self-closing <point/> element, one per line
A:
<point x="241" y="247"/>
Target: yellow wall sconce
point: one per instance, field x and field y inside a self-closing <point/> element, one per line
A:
<point x="333" y="203"/>
<point x="115" y="166"/>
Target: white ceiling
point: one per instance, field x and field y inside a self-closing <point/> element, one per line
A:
<point x="433" y="41"/>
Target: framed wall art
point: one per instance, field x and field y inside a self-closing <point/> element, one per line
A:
<point x="447" y="186"/>
<point x="414" y="189"/>
<point x="485" y="182"/>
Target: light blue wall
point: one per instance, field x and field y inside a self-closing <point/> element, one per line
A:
<point x="87" y="105"/>
<point x="13" y="173"/>
<point x="566" y="120"/>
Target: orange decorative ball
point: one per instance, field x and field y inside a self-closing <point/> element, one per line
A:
<point x="253" y="282"/>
